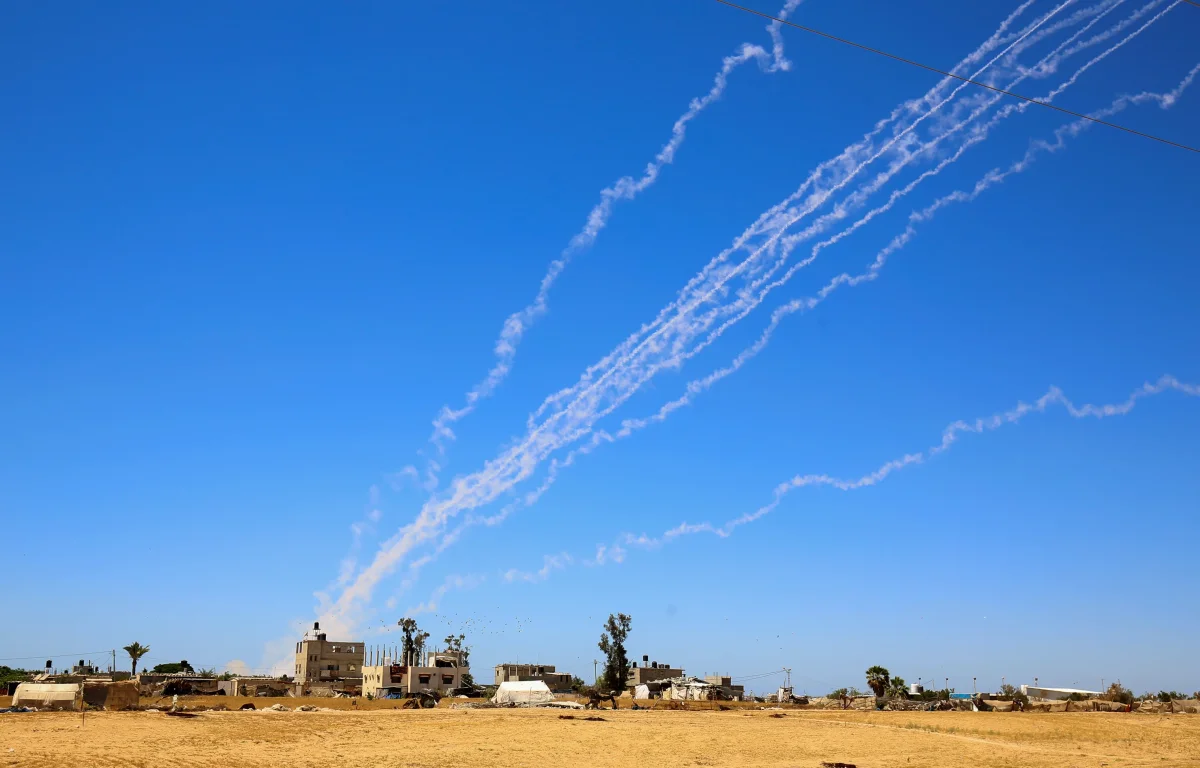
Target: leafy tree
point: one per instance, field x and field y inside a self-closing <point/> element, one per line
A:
<point x="414" y="641"/>
<point x="136" y="651"/>
<point x="897" y="688"/>
<point x="1014" y="693"/>
<point x="877" y="679"/>
<point x="209" y="672"/>
<point x="173" y="668"/>
<point x="838" y="693"/>
<point x="578" y="684"/>
<point x="1168" y="696"/>
<point x="455" y="643"/>
<point x="1118" y="692"/>
<point x="10" y="673"/>
<point x="612" y="645"/>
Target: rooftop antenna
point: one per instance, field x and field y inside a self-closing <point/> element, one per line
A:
<point x="788" y="672"/>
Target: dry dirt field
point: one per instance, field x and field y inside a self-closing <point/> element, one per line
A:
<point x="539" y="737"/>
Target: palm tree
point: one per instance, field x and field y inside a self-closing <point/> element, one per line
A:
<point x="897" y="688"/>
<point x="877" y="679"/>
<point x="136" y="651"/>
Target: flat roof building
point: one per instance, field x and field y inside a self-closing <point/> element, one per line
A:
<point x="649" y="672"/>
<point x="443" y="672"/>
<point x="520" y="673"/>
<point x="319" y="659"/>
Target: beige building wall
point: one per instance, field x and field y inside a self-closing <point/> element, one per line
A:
<point x="376" y="679"/>
<point x="319" y="659"/>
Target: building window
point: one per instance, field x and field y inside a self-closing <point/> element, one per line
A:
<point x="423" y="679"/>
<point x="447" y="679"/>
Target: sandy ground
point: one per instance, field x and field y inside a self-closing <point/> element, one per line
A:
<point x="538" y="737"/>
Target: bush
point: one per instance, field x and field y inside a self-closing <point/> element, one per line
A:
<point x="1119" y="693"/>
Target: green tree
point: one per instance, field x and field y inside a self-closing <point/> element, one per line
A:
<point x="207" y="672"/>
<point x="1010" y="691"/>
<point x="877" y="679"/>
<point x="1118" y="692"/>
<point x="578" y="684"/>
<point x="8" y="674"/>
<point x="173" y="668"/>
<point x="413" y="643"/>
<point x="897" y="688"/>
<point x="456" y="644"/>
<point x="612" y="645"/>
<point x="136" y="651"/>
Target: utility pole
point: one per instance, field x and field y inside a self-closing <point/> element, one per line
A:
<point x="595" y="675"/>
<point x="788" y="672"/>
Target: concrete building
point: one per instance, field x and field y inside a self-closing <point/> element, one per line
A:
<point x="443" y="672"/>
<point x="320" y="660"/>
<point x="725" y="683"/>
<point x="650" y="672"/>
<point x="521" y="673"/>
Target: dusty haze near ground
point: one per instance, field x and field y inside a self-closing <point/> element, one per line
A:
<point x="538" y="737"/>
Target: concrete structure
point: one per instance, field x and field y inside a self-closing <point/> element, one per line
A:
<point x="320" y="660"/>
<point x="255" y="686"/>
<point x="725" y="683"/>
<point x="1054" y="694"/>
<point x="650" y="672"/>
<point x="520" y="673"/>
<point x="442" y="672"/>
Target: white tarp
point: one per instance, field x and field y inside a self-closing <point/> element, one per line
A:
<point x="689" y="690"/>
<point x="525" y="692"/>
<point x="46" y="695"/>
<point x="641" y="692"/>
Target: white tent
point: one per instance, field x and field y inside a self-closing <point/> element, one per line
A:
<point x="525" y="692"/>
<point x="641" y="692"/>
<point x="46" y="695"/>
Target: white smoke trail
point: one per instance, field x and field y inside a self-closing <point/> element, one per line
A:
<point x="622" y="389"/>
<point x="746" y="303"/>
<point x="1054" y="396"/>
<point x="602" y="436"/>
<point x="510" y="468"/>
<point x="990" y="179"/>
<point x="625" y="188"/>
<point x="849" y="158"/>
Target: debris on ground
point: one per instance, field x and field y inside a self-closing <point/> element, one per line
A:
<point x="838" y="765"/>
<point x="170" y="713"/>
<point x="778" y="714"/>
<point x="248" y="705"/>
<point x="276" y="708"/>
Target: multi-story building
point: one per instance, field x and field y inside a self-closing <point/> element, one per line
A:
<point x="443" y="672"/>
<point x="650" y="672"/>
<point x="320" y="660"/>
<point x="513" y="673"/>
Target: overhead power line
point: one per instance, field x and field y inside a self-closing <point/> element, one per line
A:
<point x="944" y="73"/>
<point x="59" y="655"/>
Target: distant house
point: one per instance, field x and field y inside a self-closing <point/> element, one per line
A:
<point x="320" y="660"/>
<point x="520" y="673"/>
<point x="443" y="672"/>
<point x="650" y="672"/>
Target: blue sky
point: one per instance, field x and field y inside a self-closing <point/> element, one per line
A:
<point x="250" y="253"/>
